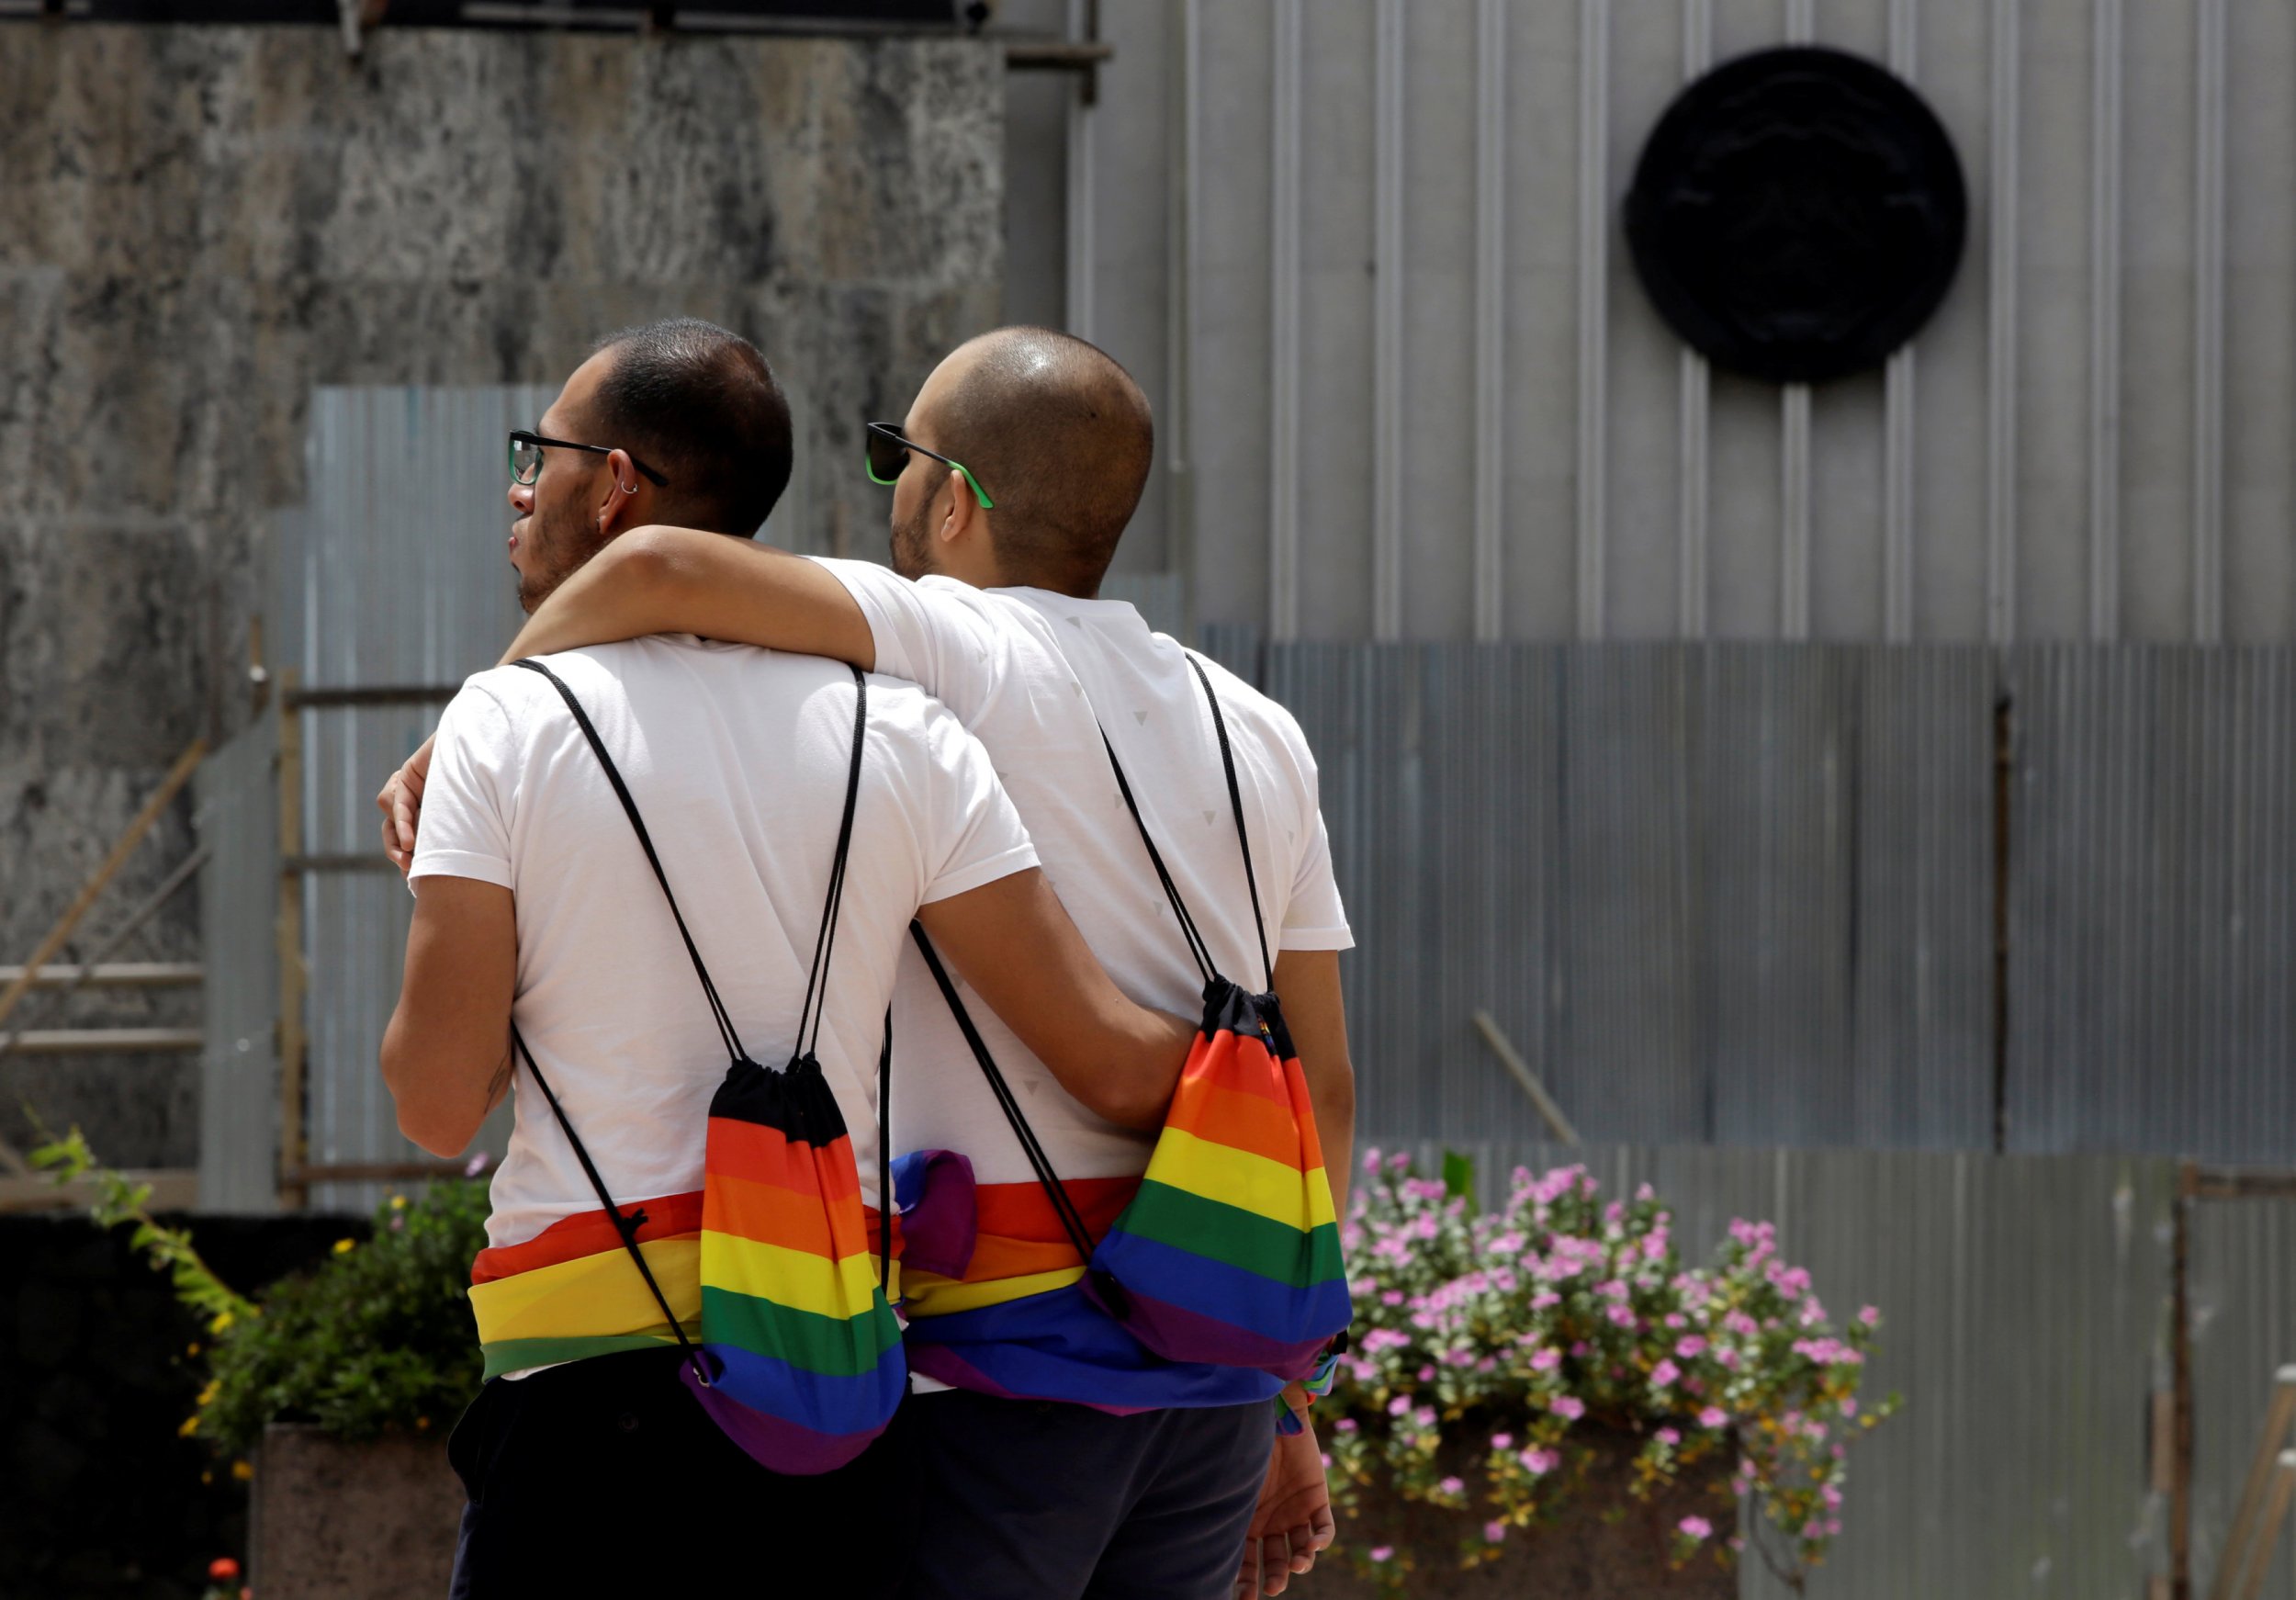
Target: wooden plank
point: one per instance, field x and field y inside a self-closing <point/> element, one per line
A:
<point x="325" y="699"/>
<point x="116" y="975"/>
<point x="174" y="1188"/>
<point x="170" y="786"/>
<point x="374" y="1171"/>
<point x="106" y="1040"/>
<point x="292" y="978"/>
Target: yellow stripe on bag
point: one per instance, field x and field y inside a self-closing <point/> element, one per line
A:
<point x="797" y="1279"/>
<point x="591" y="1296"/>
<point x="1238" y="1179"/>
<point x="931" y="1296"/>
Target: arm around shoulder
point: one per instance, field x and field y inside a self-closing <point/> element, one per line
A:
<point x="657" y="579"/>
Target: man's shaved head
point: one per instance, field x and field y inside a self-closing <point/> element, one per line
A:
<point x="1059" y="435"/>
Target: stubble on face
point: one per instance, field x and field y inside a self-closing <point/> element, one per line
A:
<point x="558" y="540"/>
<point x="912" y="541"/>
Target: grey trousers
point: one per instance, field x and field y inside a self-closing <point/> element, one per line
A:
<point x="1033" y="1500"/>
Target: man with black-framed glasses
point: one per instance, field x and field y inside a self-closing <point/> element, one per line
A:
<point x="545" y="903"/>
<point x="576" y="481"/>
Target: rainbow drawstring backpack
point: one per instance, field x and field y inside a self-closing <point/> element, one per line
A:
<point x="799" y="1356"/>
<point x="1229" y="1253"/>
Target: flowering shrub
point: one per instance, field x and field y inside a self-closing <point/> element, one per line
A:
<point x="377" y="1337"/>
<point x="1488" y="1345"/>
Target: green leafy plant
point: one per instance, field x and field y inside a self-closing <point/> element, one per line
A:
<point x="379" y="1336"/>
<point x="1493" y="1346"/>
<point x="120" y="1202"/>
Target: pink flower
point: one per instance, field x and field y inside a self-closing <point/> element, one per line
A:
<point x="1714" y="1416"/>
<point x="1869" y="1315"/>
<point x="1663" y="1376"/>
<point x="1346" y="1425"/>
<point x="1427" y="1375"/>
<point x="1696" y="1528"/>
<point x="1392" y="1296"/>
<point x="1398" y="1406"/>
<point x="1494" y="1531"/>
<point x="1690" y="1347"/>
<point x="1569" y="1407"/>
<point x="1537" y="1462"/>
<point x="1621" y="1316"/>
<point x="1453" y="1486"/>
<point x="1371" y="1159"/>
<point x="476" y="1164"/>
<point x="1669" y="1436"/>
<point x="1546" y="1360"/>
<point x="1848" y="1408"/>
<point x="1382" y="1552"/>
<point x="1503" y="1441"/>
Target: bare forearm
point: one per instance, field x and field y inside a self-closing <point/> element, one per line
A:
<point x="659" y="580"/>
<point x="1307" y="983"/>
<point x="447" y="1053"/>
<point x="1333" y="1098"/>
<point x="441" y="1101"/>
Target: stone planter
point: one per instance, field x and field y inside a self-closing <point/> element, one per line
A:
<point x="336" y="1521"/>
<point x="1604" y="1545"/>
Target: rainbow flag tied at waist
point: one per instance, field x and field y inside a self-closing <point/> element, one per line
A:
<point x="1227" y="1254"/>
<point x="789" y="1344"/>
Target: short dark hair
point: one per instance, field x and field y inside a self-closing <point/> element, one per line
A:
<point x="1062" y="437"/>
<point x="699" y="405"/>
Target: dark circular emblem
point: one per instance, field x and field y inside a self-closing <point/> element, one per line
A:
<point x="1797" y="214"/>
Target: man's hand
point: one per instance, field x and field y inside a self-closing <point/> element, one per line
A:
<point x="401" y="804"/>
<point x="1293" y="1520"/>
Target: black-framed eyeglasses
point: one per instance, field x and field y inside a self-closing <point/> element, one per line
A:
<point x="888" y="451"/>
<point x="527" y="456"/>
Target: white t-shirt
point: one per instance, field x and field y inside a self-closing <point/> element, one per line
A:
<point x="737" y="758"/>
<point x="1036" y="676"/>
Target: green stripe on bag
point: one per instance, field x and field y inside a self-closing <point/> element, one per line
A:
<point x="1240" y="1238"/>
<point x="833" y="1346"/>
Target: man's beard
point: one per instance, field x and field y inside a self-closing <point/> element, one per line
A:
<point x="913" y="543"/>
<point x="558" y="542"/>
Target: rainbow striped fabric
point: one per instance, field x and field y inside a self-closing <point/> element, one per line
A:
<point x="803" y="1352"/>
<point x="570" y="1291"/>
<point x="1013" y="1319"/>
<point x="1229" y="1251"/>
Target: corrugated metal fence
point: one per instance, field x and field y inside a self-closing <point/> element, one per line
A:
<point x="1731" y="897"/>
<point x="1754" y="894"/>
<point x="392" y="574"/>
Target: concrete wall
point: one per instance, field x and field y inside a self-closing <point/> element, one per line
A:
<point x="2090" y="441"/>
<point x="203" y="223"/>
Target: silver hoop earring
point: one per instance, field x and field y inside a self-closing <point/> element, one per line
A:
<point x="628" y="487"/>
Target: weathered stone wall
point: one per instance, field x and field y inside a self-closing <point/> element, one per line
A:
<point x="201" y="223"/>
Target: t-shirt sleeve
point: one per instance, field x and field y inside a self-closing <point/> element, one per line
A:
<point x="972" y="834"/>
<point x="465" y="828"/>
<point x="935" y="639"/>
<point x="1313" y="917"/>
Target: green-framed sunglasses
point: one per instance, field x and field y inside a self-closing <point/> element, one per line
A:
<point x="887" y="451"/>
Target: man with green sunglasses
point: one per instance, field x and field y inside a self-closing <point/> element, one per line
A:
<point x="1090" y="1466"/>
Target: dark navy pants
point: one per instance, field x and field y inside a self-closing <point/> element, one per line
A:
<point x="1031" y="1500"/>
<point x="607" y="1477"/>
